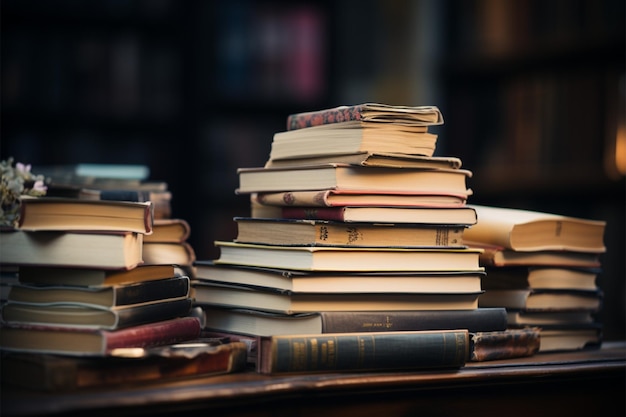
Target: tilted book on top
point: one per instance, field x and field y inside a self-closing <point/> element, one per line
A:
<point x="367" y="112"/>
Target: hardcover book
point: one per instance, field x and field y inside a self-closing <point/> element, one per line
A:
<point x="339" y="198"/>
<point x="105" y="250"/>
<point x="305" y="232"/>
<point x="523" y="277"/>
<point x="354" y="178"/>
<point x="542" y="300"/>
<point x="497" y="256"/>
<point x="332" y="258"/>
<point x="67" y="214"/>
<point x="352" y="137"/>
<point x="504" y="344"/>
<point x="384" y="351"/>
<point x="119" y="295"/>
<point x="92" y="317"/>
<point x="94" y="342"/>
<point x="170" y="230"/>
<point x="262" y="323"/>
<point x="338" y="282"/>
<point x="524" y="230"/>
<point x="168" y="253"/>
<point x="371" y="159"/>
<point x="56" y="373"/>
<point x="450" y="216"/>
<point x="367" y="112"/>
<point x="280" y="301"/>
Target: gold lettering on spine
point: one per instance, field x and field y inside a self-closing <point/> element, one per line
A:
<point x="314" y="353"/>
<point x="298" y="356"/>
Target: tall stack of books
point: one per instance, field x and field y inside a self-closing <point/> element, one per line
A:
<point x="356" y="232"/>
<point x="542" y="268"/>
<point x="82" y="286"/>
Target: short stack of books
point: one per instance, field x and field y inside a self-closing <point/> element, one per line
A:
<point x="355" y="237"/>
<point x="82" y="286"/>
<point x="542" y="268"/>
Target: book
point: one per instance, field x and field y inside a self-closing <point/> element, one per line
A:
<point x="523" y="277"/>
<point x="173" y="230"/>
<point x="106" y="250"/>
<point x="288" y="302"/>
<point x="500" y="257"/>
<point x="451" y="216"/>
<point x="47" y="275"/>
<point x="56" y="373"/>
<point x="370" y="159"/>
<point x="352" y="137"/>
<point x="337" y="282"/>
<point x="542" y="299"/>
<point x="547" y="318"/>
<point x="68" y="214"/>
<point x="383" y="351"/>
<point x="262" y="323"/>
<point x="353" y="178"/>
<point x="333" y="258"/>
<point x="161" y="199"/>
<point x="525" y="230"/>
<point x="568" y="338"/>
<point x="94" y="317"/>
<point x="504" y="344"/>
<point x="282" y="231"/>
<point x="118" y="295"/>
<point x="168" y="253"/>
<point x="367" y="112"/>
<point x="96" y="342"/>
<point x="335" y="198"/>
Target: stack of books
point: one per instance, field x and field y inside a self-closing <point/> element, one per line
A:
<point x="542" y="267"/>
<point x="355" y="237"/>
<point x="82" y="287"/>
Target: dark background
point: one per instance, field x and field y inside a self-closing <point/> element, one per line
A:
<point x="532" y="94"/>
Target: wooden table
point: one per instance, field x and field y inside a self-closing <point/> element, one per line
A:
<point x="585" y="383"/>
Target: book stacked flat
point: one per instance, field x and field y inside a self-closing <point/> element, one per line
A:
<point x="355" y="232"/>
<point x="542" y="268"/>
<point x="82" y="286"/>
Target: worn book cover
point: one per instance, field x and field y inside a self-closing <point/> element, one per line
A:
<point x="505" y="344"/>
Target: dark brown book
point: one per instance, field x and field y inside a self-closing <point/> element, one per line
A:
<point x="510" y="343"/>
<point x="138" y="366"/>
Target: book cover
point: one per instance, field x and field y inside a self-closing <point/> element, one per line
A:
<point x="353" y="178"/>
<point x="56" y="373"/>
<point x="450" y="216"/>
<point x="306" y="232"/>
<point x="67" y="214"/>
<point x="89" y="342"/>
<point x="367" y="112"/>
<point x="497" y="256"/>
<point x="168" y="253"/>
<point x="525" y="230"/>
<point x="261" y="323"/>
<point x="169" y="230"/>
<point x="105" y="250"/>
<point x="388" y="351"/>
<point x="107" y="296"/>
<point x="542" y="299"/>
<point x="332" y="258"/>
<point x="92" y="317"/>
<point x="522" y="277"/>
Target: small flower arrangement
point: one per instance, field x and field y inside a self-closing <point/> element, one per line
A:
<point x="17" y="180"/>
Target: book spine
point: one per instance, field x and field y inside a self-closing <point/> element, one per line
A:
<point x="363" y="351"/>
<point x="291" y="198"/>
<point x="512" y="343"/>
<point x="323" y="117"/>
<point x="153" y="334"/>
<point x="479" y="320"/>
<point x="151" y="291"/>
